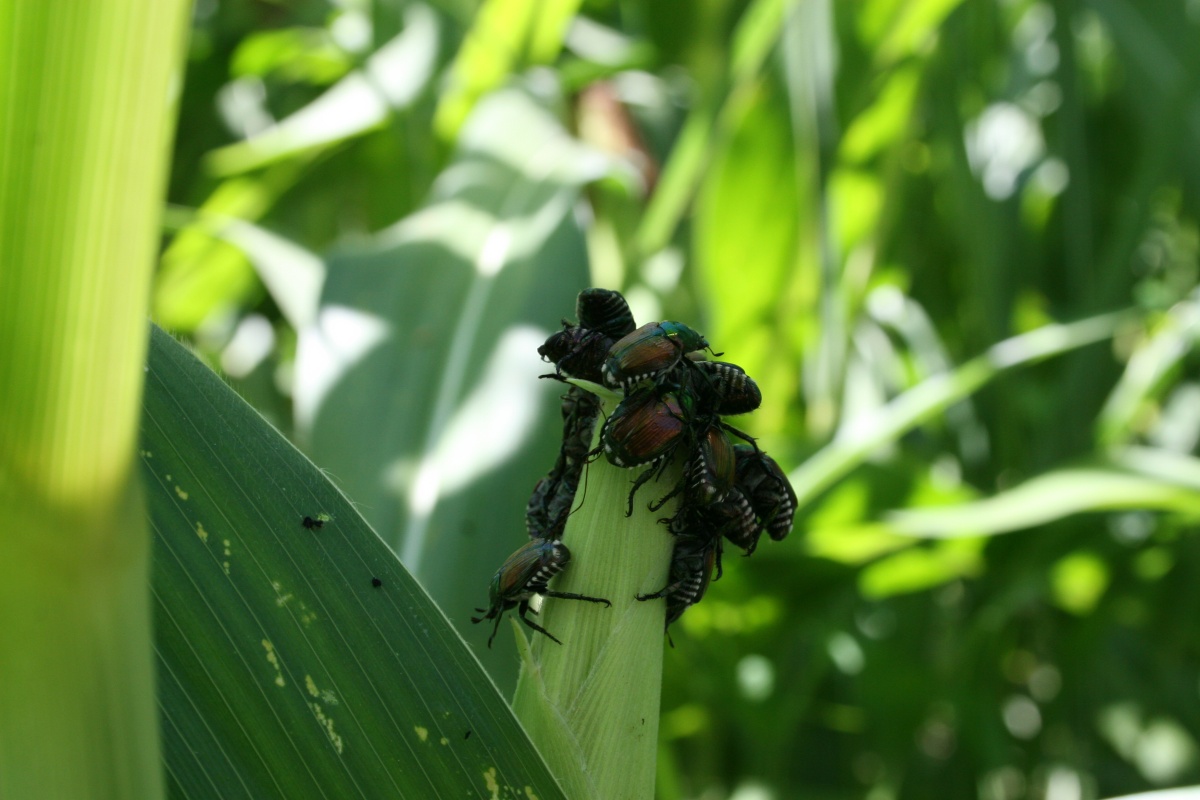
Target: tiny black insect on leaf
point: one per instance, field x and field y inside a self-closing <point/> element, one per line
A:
<point x="312" y="523"/>
<point x="376" y="582"/>
<point x="467" y="735"/>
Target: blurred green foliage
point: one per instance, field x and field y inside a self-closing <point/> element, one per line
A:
<point x="883" y="210"/>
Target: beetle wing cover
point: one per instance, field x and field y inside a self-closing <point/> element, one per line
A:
<point x="518" y="568"/>
<point x="647" y="427"/>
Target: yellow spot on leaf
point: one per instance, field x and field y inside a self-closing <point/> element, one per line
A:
<point x="203" y="534"/>
<point x="444" y="741"/>
<point x="421" y="732"/>
<point x="225" y="566"/>
<point x="327" y="726"/>
<point x="490" y="778"/>
<point x="311" y="685"/>
<point x="182" y="494"/>
<point x="529" y="793"/>
<point x="274" y="661"/>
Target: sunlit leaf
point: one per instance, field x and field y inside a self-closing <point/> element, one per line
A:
<point x="1165" y="347"/>
<point x="294" y="54"/>
<point x="920" y="568"/>
<point x="746" y="212"/>
<point x="391" y="79"/>
<point x="1044" y="499"/>
<point x="1078" y="581"/>
<point x="418" y="385"/>
<point x="506" y="36"/>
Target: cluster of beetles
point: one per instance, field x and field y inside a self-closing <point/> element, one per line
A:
<point x="675" y="402"/>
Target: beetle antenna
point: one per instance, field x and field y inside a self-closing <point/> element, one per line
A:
<point x="586" y="471"/>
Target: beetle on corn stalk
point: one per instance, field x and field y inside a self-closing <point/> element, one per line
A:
<point x="526" y="573"/>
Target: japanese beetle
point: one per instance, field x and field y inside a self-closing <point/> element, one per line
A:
<point x="697" y="552"/>
<point x="710" y="472"/>
<point x="734" y="517"/>
<point x="548" y="507"/>
<point x="576" y="351"/>
<point x="605" y="311"/>
<point x="645" y="428"/>
<point x="713" y="468"/>
<point x="767" y="489"/>
<point x="524" y="574"/>
<point x="651" y="350"/>
<point x="732" y="390"/>
<point x="580" y="410"/>
<point x="580" y="350"/>
<point x="539" y="521"/>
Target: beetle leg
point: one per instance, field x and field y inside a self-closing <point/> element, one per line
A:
<point x="663" y="592"/>
<point x="573" y="596"/>
<point x="521" y="611"/>
<point x="653" y="472"/>
<point x="495" y="629"/>
<point x="662" y="501"/>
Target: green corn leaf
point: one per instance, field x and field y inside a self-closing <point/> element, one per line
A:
<point x="284" y="670"/>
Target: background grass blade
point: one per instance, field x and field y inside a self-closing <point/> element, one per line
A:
<point x="284" y="671"/>
<point x="1045" y="499"/>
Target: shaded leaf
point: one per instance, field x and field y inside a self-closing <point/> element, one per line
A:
<point x="284" y="670"/>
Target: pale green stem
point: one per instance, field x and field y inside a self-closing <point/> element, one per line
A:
<point x="591" y="705"/>
<point x="86" y="116"/>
